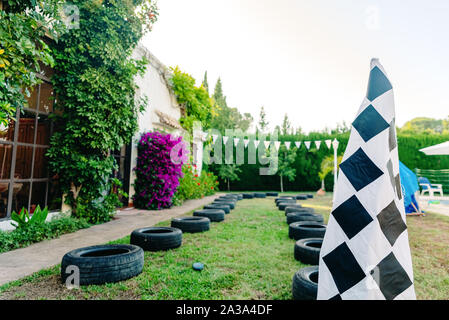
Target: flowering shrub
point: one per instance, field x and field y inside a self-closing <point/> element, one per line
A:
<point x="158" y="170"/>
<point x="192" y="186"/>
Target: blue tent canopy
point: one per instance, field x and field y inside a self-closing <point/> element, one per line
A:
<point x="409" y="184"/>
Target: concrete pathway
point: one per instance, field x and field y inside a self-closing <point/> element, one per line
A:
<point x="20" y="263"/>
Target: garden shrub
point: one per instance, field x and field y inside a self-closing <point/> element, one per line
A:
<point x="158" y="170"/>
<point x="32" y="233"/>
<point x="192" y="186"/>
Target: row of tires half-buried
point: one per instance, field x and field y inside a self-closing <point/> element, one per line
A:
<point x="112" y="263"/>
<point x="308" y="229"/>
<point x="275" y="194"/>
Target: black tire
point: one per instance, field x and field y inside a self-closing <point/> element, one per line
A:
<point x="306" y="229"/>
<point x="157" y="238"/>
<point x="226" y="208"/>
<point x="301" y="197"/>
<point x="293" y="205"/>
<point x="303" y="216"/>
<point x="260" y="195"/>
<point x="229" y="197"/>
<point x="308" y="250"/>
<point x="283" y="205"/>
<point x="248" y="195"/>
<point x="310" y="196"/>
<point x="272" y="194"/>
<point x="285" y="200"/>
<point x="240" y="196"/>
<point x="191" y="224"/>
<point x="305" y="284"/>
<point x="215" y="215"/>
<point x="229" y="203"/>
<point x="104" y="263"/>
<point x="290" y="208"/>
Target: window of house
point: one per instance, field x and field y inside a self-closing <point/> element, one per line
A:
<point x="24" y="176"/>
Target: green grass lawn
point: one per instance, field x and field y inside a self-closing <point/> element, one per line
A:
<point x="248" y="256"/>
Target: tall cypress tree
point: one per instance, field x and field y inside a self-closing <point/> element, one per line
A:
<point x="205" y="82"/>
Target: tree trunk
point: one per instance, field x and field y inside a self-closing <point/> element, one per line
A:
<point x="229" y="187"/>
<point x="282" y="184"/>
<point x="322" y="184"/>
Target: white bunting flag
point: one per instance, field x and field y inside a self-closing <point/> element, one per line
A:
<point x="277" y="144"/>
<point x="246" y="141"/>
<point x="328" y="143"/>
<point x="225" y="139"/>
<point x="256" y="143"/>
<point x="307" y="144"/>
<point x="318" y="144"/>
<point x="298" y="144"/>
<point x="236" y="141"/>
<point x="287" y="144"/>
<point x="214" y="138"/>
<point x="335" y="144"/>
<point x="365" y="253"/>
<point x="266" y="144"/>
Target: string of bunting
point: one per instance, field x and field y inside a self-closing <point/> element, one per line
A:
<point x="288" y="144"/>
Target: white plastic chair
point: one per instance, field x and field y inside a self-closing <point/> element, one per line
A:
<point x="430" y="188"/>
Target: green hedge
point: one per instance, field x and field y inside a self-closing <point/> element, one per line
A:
<point x="308" y="162"/>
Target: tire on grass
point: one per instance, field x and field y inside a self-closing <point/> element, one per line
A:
<point x="304" y="216"/>
<point x="226" y="208"/>
<point x="283" y="205"/>
<point x="305" y="284"/>
<point x="229" y="203"/>
<point x="277" y="201"/>
<point x="215" y="215"/>
<point x="260" y="195"/>
<point x="229" y="197"/>
<point x="272" y="194"/>
<point x="291" y="208"/>
<point x="306" y="229"/>
<point x="157" y="238"/>
<point x="103" y="263"/>
<point x="248" y="195"/>
<point x="308" y="250"/>
<point x="301" y="197"/>
<point x="191" y="224"/>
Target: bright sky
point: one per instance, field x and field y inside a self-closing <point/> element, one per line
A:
<point x="310" y="58"/>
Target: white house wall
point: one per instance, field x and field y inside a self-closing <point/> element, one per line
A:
<point x="153" y="85"/>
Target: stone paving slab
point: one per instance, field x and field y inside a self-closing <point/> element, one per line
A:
<point x="22" y="262"/>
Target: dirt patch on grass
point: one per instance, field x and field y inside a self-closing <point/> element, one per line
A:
<point x="51" y="288"/>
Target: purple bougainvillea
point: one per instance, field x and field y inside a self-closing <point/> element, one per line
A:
<point x="158" y="170"/>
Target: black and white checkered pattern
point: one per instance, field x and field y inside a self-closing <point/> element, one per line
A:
<point x="365" y="252"/>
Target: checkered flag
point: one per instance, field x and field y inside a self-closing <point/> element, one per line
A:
<point x="365" y="252"/>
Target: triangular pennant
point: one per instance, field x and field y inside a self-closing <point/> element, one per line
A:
<point x="266" y="144"/>
<point x="225" y="139"/>
<point x="328" y="143"/>
<point x="335" y="144"/>
<point x="214" y="138"/>
<point x="236" y="141"/>
<point x="287" y="144"/>
<point x="277" y="144"/>
<point x="298" y="144"/>
<point x="307" y="144"/>
<point x="365" y="254"/>
<point x="318" y="144"/>
<point x="256" y="143"/>
<point x="246" y="141"/>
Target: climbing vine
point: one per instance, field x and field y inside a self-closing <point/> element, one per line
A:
<point x="199" y="106"/>
<point x="23" y="25"/>
<point x="95" y="90"/>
